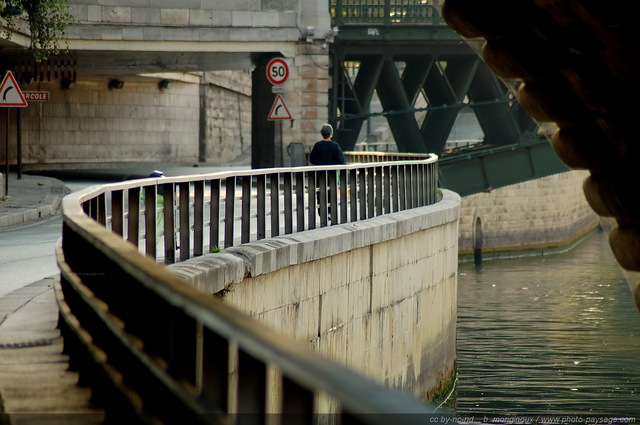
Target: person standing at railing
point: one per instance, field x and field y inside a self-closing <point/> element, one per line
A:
<point x="326" y="152"/>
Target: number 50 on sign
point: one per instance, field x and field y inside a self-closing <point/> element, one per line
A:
<point x="277" y="71"/>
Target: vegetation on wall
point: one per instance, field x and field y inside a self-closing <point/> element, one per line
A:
<point x="48" y="20"/>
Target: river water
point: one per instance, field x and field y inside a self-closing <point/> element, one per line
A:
<point x="552" y="335"/>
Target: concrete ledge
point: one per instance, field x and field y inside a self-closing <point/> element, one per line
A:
<point x="216" y="272"/>
<point x="212" y="272"/>
<point x="30" y="199"/>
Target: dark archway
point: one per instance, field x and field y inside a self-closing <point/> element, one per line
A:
<point x="477" y="241"/>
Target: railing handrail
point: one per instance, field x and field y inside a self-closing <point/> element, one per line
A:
<point x="81" y="195"/>
<point x="375" y="156"/>
<point x="387" y="13"/>
<point x="113" y="300"/>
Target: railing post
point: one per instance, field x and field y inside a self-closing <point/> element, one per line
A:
<point x="415" y="186"/>
<point x="353" y="195"/>
<point x="214" y="215"/>
<point x="261" y="206"/>
<point x="386" y="171"/>
<point x="183" y="331"/>
<point x="168" y="193"/>
<point x="371" y="192"/>
<point x="150" y="223"/>
<point x="422" y="168"/>
<point x="362" y="192"/>
<point x="311" y="199"/>
<point x="299" y="202"/>
<point x="297" y="403"/>
<point x="252" y="389"/>
<point x="198" y="218"/>
<point x="101" y="214"/>
<point x="133" y="213"/>
<point x="333" y="197"/>
<point x="402" y="187"/>
<point x="245" y="232"/>
<point x="395" y="188"/>
<point x="274" y="194"/>
<point x="229" y="211"/>
<point x="344" y="200"/>
<point x="117" y="212"/>
<point x="287" y="188"/>
<point x="214" y="371"/>
<point x="378" y="190"/>
<point x="322" y="197"/>
<point x="185" y="226"/>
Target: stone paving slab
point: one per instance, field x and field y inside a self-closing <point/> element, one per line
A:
<point x="36" y="386"/>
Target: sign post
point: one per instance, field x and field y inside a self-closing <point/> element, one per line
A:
<point x="277" y="74"/>
<point x="10" y="97"/>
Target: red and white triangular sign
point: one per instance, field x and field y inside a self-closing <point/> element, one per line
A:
<point x="10" y="93"/>
<point x="279" y="110"/>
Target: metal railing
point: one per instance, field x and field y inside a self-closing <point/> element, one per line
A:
<point x="154" y="348"/>
<point x="181" y="217"/>
<point x="385" y="12"/>
<point x="358" y="157"/>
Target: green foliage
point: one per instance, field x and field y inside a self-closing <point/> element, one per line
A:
<point x="214" y="249"/>
<point x="48" y="20"/>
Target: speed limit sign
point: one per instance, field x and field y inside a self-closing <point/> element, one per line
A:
<point x="277" y="71"/>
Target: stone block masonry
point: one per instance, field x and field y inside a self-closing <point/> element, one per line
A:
<point x="202" y="117"/>
<point x="377" y="295"/>
<point x="540" y="216"/>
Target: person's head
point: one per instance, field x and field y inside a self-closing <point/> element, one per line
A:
<point x="326" y="131"/>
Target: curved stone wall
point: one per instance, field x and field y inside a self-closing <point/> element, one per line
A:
<point x="534" y="217"/>
<point x="378" y="295"/>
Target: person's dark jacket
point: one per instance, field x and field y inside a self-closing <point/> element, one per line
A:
<point x="326" y="152"/>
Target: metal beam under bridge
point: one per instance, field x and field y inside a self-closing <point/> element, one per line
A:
<point x="484" y="170"/>
<point x="424" y="75"/>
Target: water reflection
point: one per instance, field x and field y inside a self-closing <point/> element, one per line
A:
<point x="555" y="335"/>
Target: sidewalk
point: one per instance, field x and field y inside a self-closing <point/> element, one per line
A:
<point x="29" y="199"/>
<point x="35" y="385"/>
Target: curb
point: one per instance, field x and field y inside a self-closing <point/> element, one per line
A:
<point x="31" y="213"/>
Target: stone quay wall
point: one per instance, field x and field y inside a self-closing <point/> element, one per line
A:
<point x="377" y="295"/>
<point x="204" y="117"/>
<point x="540" y="216"/>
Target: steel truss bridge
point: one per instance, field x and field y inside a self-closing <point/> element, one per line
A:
<point x="424" y="76"/>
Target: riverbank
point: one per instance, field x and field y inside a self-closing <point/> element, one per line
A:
<point x="538" y="217"/>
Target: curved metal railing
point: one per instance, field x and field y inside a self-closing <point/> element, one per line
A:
<point x="153" y="348"/>
<point x="181" y="217"/>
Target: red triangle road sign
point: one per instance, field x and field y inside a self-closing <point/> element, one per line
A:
<point x="279" y="110"/>
<point x="10" y="93"/>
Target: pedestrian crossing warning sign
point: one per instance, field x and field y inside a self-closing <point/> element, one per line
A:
<point x="279" y="110"/>
<point x="10" y="93"/>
